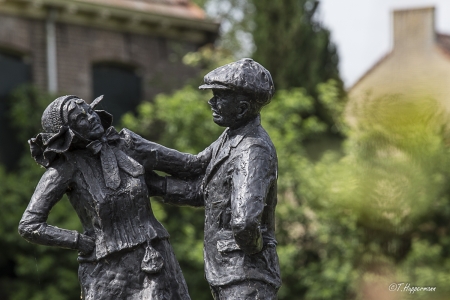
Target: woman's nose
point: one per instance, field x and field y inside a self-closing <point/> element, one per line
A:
<point x="91" y="117"/>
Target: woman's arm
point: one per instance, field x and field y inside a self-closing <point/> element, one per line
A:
<point x="33" y="225"/>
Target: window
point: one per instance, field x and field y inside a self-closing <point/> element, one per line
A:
<point x="14" y="71"/>
<point x="121" y="86"/>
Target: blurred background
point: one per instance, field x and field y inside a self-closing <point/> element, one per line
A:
<point x="359" y="120"/>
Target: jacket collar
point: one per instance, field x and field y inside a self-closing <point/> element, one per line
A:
<point x="235" y="136"/>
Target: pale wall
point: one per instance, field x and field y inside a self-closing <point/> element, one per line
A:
<point x="414" y="74"/>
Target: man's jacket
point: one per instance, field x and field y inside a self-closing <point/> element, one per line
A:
<point x="235" y="179"/>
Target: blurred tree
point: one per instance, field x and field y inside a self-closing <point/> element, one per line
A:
<point x="292" y="43"/>
<point x="284" y="36"/>
<point x="288" y="39"/>
<point x="200" y="3"/>
<point x="377" y="212"/>
<point x="236" y="25"/>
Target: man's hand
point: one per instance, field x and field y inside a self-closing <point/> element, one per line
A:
<point x="156" y="184"/>
<point x="86" y="244"/>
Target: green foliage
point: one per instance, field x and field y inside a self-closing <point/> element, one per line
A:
<point x="27" y="103"/>
<point x="179" y="119"/>
<point x="200" y="3"/>
<point x="379" y="210"/>
<point x="31" y="271"/>
<point x="236" y="18"/>
<point x="207" y="58"/>
<point x="292" y="43"/>
<point x="284" y="36"/>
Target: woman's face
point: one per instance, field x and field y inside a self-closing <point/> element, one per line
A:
<point x="84" y="120"/>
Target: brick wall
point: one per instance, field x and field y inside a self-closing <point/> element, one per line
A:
<point x="158" y="60"/>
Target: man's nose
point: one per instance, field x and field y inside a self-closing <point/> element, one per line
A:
<point x="212" y="101"/>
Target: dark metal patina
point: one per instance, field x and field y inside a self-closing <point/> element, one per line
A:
<point x="235" y="179"/>
<point x="124" y="251"/>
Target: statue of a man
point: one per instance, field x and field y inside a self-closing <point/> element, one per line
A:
<point x="124" y="251"/>
<point x="235" y="179"/>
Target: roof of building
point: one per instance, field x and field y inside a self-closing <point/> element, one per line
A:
<point x="175" y="8"/>
<point x="177" y="19"/>
<point x="442" y="42"/>
<point x="371" y="69"/>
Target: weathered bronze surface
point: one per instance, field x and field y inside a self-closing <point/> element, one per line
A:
<point x="124" y="251"/>
<point x="235" y="179"/>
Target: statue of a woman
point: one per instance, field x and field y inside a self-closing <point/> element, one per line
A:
<point x="124" y="252"/>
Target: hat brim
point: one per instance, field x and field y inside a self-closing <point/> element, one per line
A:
<point x="213" y="86"/>
<point x="96" y="101"/>
<point x="105" y="117"/>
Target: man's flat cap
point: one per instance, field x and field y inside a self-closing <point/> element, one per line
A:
<point x="245" y="76"/>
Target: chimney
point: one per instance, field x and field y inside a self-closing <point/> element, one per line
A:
<point x="414" y="29"/>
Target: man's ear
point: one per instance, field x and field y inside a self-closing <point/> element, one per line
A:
<point x="244" y="107"/>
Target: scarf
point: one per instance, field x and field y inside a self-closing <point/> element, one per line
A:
<point x="113" y="159"/>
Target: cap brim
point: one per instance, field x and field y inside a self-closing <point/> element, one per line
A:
<point x="213" y="86"/>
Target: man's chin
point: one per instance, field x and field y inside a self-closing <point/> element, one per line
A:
<point x="219" y="121"/>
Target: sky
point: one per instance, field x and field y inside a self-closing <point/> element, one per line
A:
<point x="362" y="31"/>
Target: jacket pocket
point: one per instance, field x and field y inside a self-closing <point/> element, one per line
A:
<point x="227" y="245"/>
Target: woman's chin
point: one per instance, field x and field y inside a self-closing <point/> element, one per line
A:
<point x="97" y="134"/>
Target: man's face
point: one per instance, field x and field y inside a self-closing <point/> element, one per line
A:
<point x="225" y="107"/>
<point x="84" y="120"/>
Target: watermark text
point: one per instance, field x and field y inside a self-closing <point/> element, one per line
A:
<point x="407" y="287"/>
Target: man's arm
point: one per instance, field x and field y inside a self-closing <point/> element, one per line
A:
<point x="176" y="191"/>
<point x="182" y="192"/>
<point x="157" y="157"/>
<point x="255" y="173"/>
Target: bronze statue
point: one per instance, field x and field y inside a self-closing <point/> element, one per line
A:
<point x="124" y="252"/>
<point x="235" y="179"/>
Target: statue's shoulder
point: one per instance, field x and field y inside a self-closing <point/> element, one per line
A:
<point x="258" y="139"/>
<point x="63" y="166"/>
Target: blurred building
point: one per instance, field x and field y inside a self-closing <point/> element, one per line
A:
<point x="417" y="66"/>
<point x="129" y="50"/>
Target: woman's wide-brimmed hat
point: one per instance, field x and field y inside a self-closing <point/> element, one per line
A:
<point x="57" y="136"/>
